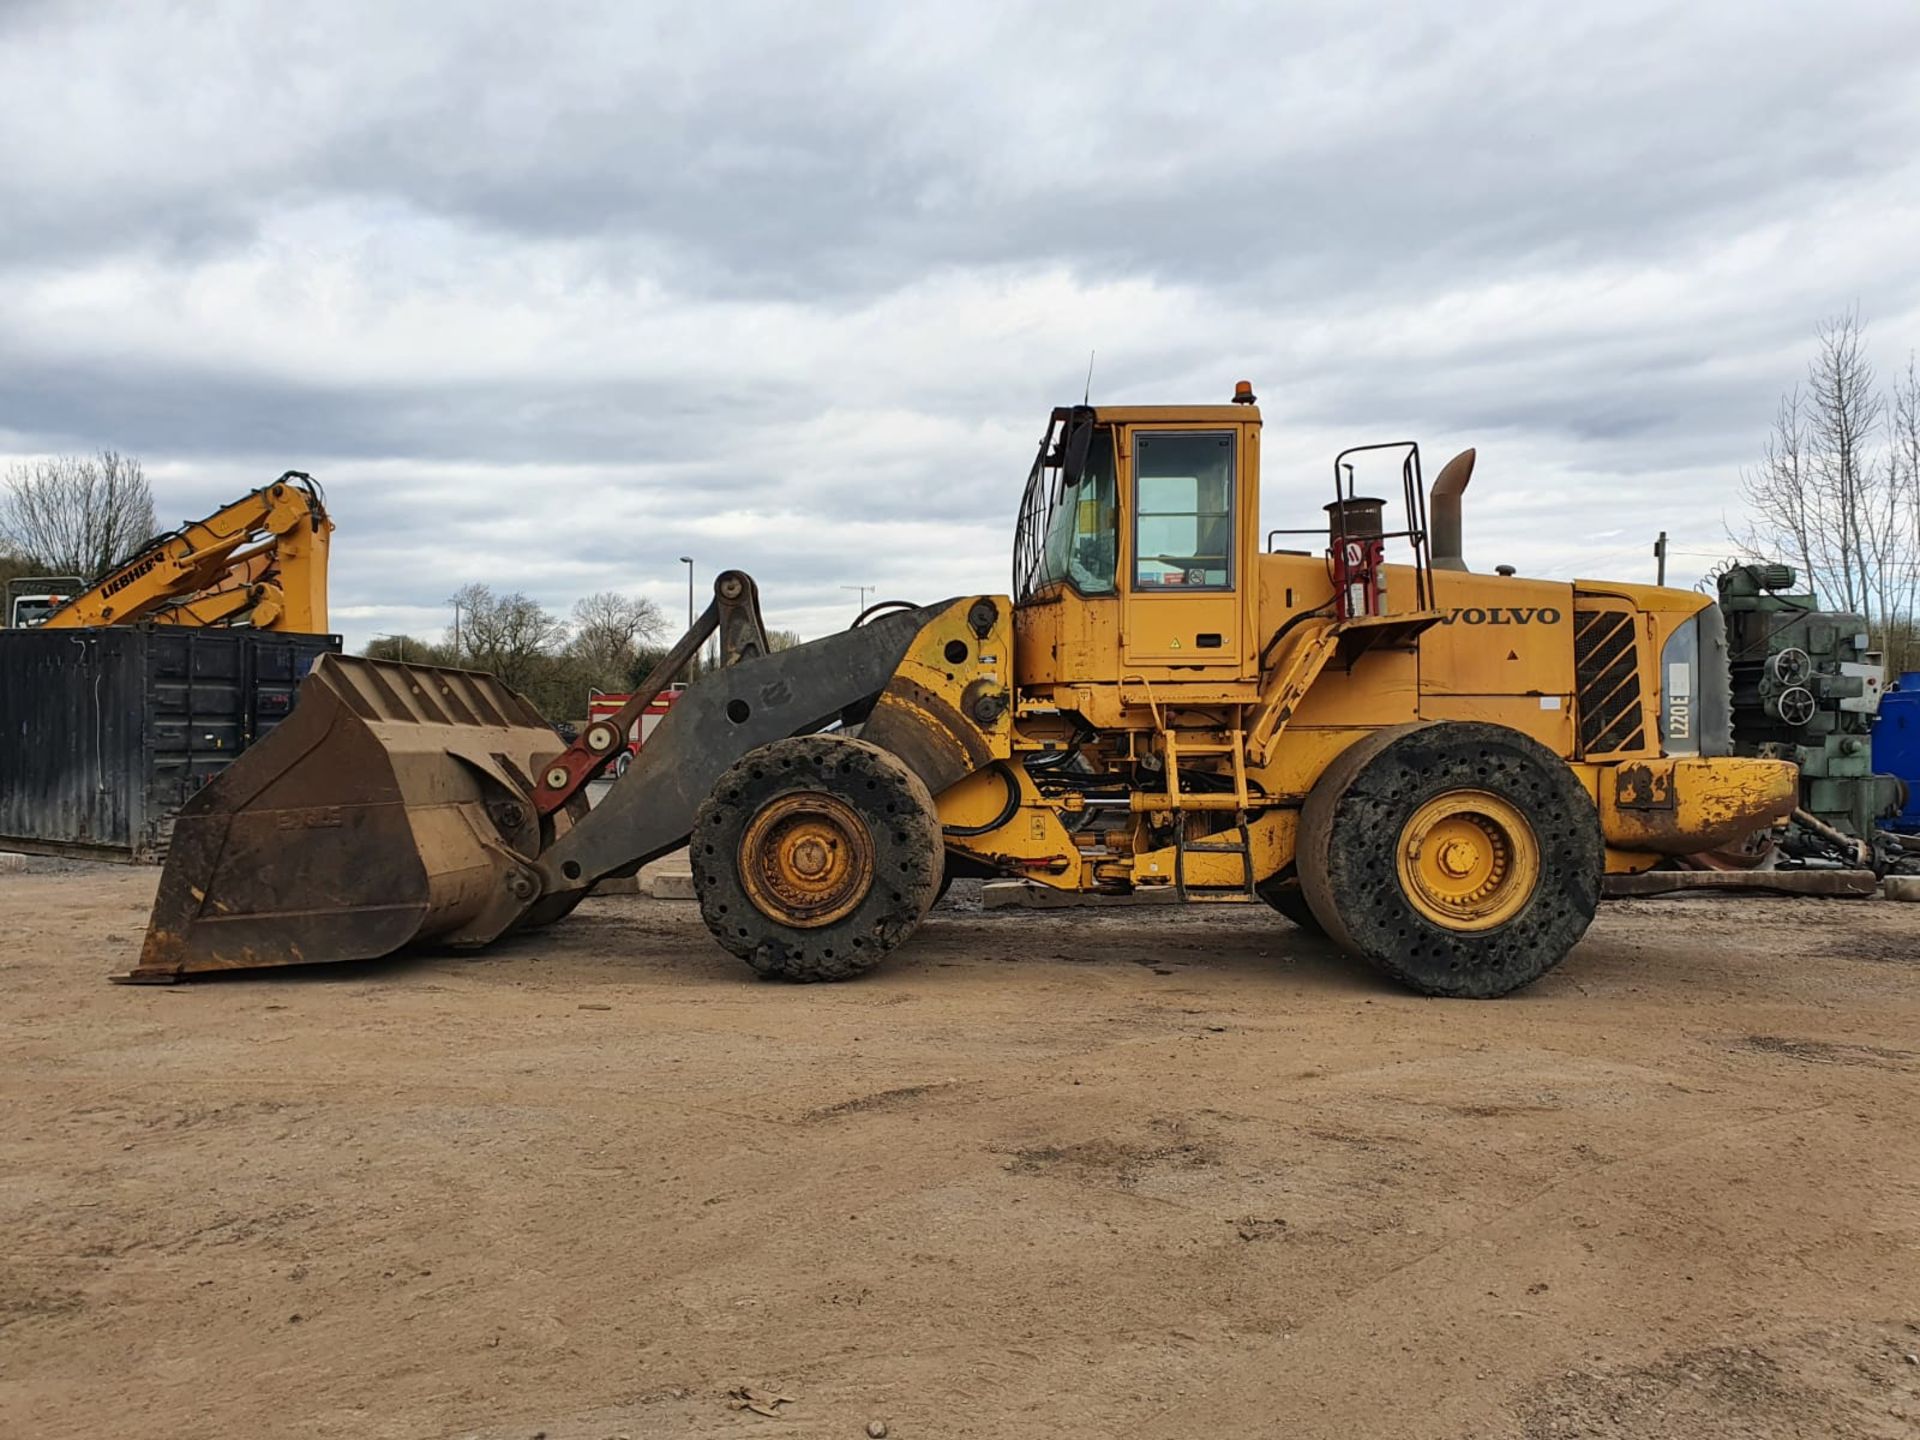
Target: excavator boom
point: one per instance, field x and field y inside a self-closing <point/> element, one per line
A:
<point x="260" y="561"/>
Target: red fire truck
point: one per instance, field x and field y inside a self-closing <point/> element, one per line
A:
<point x="605" y="704"/>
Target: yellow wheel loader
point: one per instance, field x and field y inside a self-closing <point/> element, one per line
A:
<point x="1433" y="767"/>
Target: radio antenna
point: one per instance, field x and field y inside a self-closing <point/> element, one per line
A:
<point x="1087" y="399"/>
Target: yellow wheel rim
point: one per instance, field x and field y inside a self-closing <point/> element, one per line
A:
<point x="1468" y="860"/>
<point x="806" y="860"/>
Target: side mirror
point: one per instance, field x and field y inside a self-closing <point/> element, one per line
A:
<point x="1073" y="457"/>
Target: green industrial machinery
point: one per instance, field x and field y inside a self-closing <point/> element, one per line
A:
<point x="1806" y="688"/>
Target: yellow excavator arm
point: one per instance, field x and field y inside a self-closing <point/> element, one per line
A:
<point x="248" y="593"/>
<point x="260" y="561"/>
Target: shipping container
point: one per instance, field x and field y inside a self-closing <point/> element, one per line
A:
<point x="104" y="733"/>
<point x="1896" y="745"/>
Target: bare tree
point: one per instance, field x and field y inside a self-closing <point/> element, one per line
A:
<point x="1779" y="507"/>
<point x="75" y="514"/>
<point x="511" y="635"/>
<point x="1902" y="552"/>
<point x="1837" y="492"/>
<point x="608" y="629"/>
<point x="783" y="639"/>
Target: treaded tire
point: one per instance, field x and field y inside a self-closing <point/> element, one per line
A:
<point x="1350" y="834"/>
<point x="902" y="829"/>
<point x="1286" y="896"/>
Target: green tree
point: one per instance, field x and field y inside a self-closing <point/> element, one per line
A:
<point x="16" y="566"/>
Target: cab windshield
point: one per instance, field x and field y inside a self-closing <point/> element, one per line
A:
<point x="1069" y="532"/>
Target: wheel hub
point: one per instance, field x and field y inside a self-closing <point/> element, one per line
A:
<point x="806" y="860"/>
<point x="812" y="857"/>
<point x="1458" y="858"/>
<point x="1468" y="860"/>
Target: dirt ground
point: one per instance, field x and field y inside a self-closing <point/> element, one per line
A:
<point x="1147" y="1174"/>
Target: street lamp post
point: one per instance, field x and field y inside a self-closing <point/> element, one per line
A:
<point x="687" y="560"/>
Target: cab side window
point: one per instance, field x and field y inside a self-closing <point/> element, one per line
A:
<point x="1183" y="509"/>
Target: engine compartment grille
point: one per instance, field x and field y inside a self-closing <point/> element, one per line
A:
<point x="1606" y="670"/>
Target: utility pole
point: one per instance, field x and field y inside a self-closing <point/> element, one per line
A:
<point x="456" y="632"/>
<point x="687" y="560"/>
<point x="863" y="589"/>
<point x="1660" y="555"/>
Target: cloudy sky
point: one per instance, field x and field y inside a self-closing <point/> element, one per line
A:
<point x="549" y="296"/>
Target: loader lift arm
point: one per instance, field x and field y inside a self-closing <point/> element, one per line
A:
<point x="261" y="560"/>
<point x="734" y="613"/>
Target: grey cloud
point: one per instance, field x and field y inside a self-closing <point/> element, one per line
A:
<point x="819" y="156"/>
<point x="212" y="410"/>
<point x="1305" y="180"/>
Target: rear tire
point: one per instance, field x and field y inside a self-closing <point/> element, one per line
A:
<point x="1464" y="859"/>
<point x="814" y="857"/>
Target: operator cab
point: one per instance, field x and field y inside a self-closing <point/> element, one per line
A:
<point x="1136" y="545"/>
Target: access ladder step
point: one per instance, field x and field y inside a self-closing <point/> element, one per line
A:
<point x="1241" y="846"/>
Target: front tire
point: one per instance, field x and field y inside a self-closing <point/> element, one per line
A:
<point x="814" y="857"/>
<point x="1463" y="859"/>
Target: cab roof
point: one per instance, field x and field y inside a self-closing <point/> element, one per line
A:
<point x="1170" y="414"/>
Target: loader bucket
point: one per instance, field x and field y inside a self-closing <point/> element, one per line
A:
<point x="391" y="807"/>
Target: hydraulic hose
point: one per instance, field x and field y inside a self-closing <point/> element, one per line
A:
<point x="1012" y="782"/>
<point x="880" y="607"/>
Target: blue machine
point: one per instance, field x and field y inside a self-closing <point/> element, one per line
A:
<point x="1896" y="745"/>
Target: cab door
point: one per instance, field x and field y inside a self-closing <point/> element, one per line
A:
<point x="1184" y="566"/>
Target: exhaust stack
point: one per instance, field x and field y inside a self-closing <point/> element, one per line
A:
<point x="1443" y="511"/>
